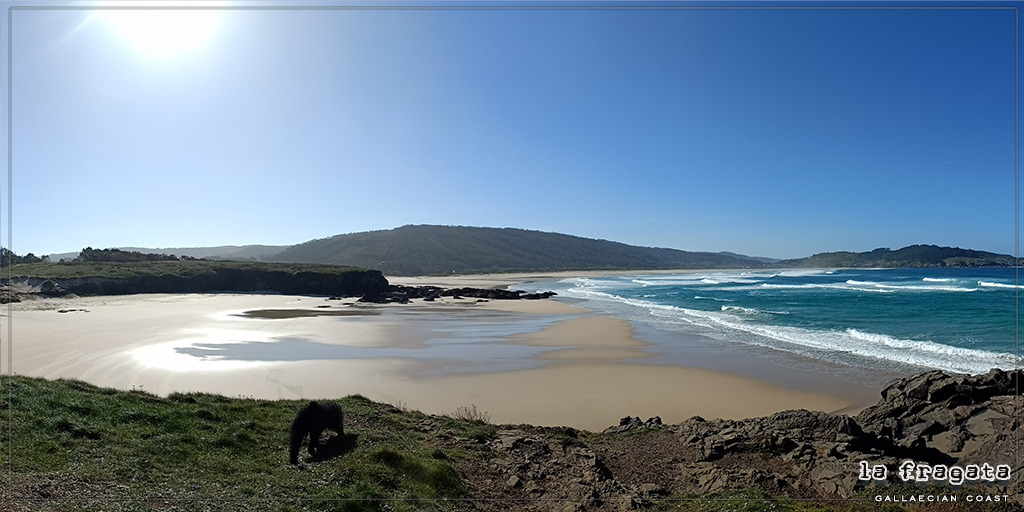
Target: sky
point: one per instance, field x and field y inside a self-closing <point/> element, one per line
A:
<point x="778" y="133"/>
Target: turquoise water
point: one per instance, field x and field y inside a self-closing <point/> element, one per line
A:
<point x="960" y="320"/>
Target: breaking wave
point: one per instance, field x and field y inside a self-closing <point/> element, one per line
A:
<point x="845" y="346"/>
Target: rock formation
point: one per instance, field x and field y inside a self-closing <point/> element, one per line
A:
<point x="931" y="418"/>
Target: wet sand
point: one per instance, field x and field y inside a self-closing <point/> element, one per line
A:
<point x="540" y="362"/>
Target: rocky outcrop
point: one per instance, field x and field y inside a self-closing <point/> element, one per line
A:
<point x="354" y="283"/>
<point x="403" y="294"/>
<point x="495" y="293"/>
<point x="633" y="423"/>
<point x="932" y="418"/>
<point x="948" y="419"/>
<point x="51" y="288"/>
<point x="537" y="469"/>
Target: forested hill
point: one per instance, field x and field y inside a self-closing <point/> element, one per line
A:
<point x="425" y="250"/>
<point x="436" y="250"/>
<point x="911" y="256"/>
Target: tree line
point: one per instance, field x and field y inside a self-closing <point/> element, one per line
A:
<point x="90" y="255"/>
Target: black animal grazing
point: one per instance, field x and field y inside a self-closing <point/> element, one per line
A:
<point x="313" y="419"/>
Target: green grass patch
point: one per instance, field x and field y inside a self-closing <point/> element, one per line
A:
<point x="132" y="445"/>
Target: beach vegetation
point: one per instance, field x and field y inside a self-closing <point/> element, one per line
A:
<point x="471" y="414"/>
<point x="177" y="268"/>
<point x="117" y="255"/>
<point x="8" y="258"/>
<point x="73" y="441"/>
<point x="199" y="276"/>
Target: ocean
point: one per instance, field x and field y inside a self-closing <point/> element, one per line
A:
<point x="895" y="320"/>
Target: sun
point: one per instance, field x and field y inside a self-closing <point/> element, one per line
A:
<point x="163" y="32"/>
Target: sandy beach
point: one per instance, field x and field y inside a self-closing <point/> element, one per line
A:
<point x="541" y="362"/>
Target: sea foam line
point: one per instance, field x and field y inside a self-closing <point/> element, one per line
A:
<point x="911" y="287"/>
<point x="997" y="285"/>
<point x="752" y="311"/>
<point x="806" y="342"/>
<point x="821" y="286"/>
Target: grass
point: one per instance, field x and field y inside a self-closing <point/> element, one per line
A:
<point x="161" y="268"/>
<point x="130" y="445"/>
<point x="471" y="414"/>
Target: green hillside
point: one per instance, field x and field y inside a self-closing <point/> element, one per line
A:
<point x="425" y="250"/>
<point x="911" y="256"/>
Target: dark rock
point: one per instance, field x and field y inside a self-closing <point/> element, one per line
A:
<point x="632" y="423"/>
<point x="958" y="400"/>
<point x="52" y="288"/>
<point x="653" y="422"/>
<point x="941" y="390"/>
<point x="374" y="297"/>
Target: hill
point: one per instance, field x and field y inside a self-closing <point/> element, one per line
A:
<point x="441" y="250"/>
<point x="911" y="256"/>
<point x="426" y="250"/>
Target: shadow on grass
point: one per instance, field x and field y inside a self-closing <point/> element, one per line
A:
<point x="335" y="447"/>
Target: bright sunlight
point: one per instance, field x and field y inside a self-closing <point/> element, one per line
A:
<point x="164" y="32"/>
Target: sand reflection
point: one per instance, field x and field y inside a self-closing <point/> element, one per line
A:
<point x="175" y="355"/>
<point x="277" y="314"/>
<point x="465" y="341"/>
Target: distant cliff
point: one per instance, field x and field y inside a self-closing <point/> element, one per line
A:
<point x="194" y="277"/>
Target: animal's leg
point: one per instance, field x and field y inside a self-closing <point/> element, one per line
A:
<point x="314" y="441"/>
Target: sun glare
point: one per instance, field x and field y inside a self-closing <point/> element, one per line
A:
<point x="163" y="32"/>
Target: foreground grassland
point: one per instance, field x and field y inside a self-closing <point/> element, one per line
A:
<point x="79" y="447"/>
<point x="73" y="441"/>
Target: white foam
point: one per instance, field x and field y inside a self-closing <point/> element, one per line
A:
<point x="898" y="287"/>
<point x="749" y="311"/>
<point x="819" y="343"/>
<point x="803" y="273"/>
<point x="698" y="297"/>
<point x="825" y="286"/>
<point x="752" y="311"/>
<point x="938" y="280"/>
<point x="695" y="280"/>
<point x="678" y="282"/>
<point x="987" y="284"/>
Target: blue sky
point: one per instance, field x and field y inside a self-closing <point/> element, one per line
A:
<point x="776" y="133"/>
